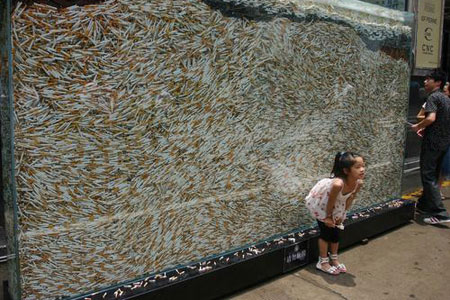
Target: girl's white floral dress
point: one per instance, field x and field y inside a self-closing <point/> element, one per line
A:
<point x="317" y="200"/>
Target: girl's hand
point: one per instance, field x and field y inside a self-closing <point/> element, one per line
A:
<point x="338" y="221"/>
<point x="329" y="222"/>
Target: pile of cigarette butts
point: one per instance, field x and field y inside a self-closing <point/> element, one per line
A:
<point x="151" y="134"/>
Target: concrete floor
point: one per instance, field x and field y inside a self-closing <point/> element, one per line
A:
<point x="410" y="262"/>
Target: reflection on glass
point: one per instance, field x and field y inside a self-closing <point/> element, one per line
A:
<point x="393" y="4"/>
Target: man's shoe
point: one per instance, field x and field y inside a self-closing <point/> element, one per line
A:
<point x="433" y="220"/>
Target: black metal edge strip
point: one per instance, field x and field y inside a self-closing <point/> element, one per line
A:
<point x="220" y="276"/>
<point x="9" y="193"/>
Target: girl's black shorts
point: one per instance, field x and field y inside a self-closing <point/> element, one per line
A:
<point x="327" y="233"/>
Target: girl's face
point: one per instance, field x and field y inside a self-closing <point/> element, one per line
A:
<point x="357" y="171"/>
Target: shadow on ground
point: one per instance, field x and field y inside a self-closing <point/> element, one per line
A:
<point x="343" y="279"/>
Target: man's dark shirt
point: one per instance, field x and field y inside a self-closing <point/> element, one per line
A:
<point x="437" y="135"/>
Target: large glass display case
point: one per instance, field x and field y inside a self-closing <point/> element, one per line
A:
<point x="150" y="135"/>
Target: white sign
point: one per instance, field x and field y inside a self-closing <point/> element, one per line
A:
<point x="428" y="34"/>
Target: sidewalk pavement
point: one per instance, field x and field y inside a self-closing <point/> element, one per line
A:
<point x="409" y="262"/>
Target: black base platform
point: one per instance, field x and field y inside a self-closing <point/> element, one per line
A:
<point x="222" y="276"/>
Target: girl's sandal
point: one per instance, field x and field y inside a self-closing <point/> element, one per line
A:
<point x="340" y="267"/>
<point x="331" y="270"/>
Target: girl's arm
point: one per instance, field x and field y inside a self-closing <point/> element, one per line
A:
<point x="349" y="201"/>
<point x="336" y="187"/>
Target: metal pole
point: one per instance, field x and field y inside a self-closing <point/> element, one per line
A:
<point x="7" y="150"/>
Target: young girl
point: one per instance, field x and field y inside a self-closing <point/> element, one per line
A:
<point x="328" y="202"/>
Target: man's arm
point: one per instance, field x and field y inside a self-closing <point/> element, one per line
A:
<point x="431" y="107"/>
<point x="421" y="115"/>
<point x="429" y="119"/>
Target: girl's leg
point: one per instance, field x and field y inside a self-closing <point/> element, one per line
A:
<point x="334" y="258"/>
<point x="323" y="248"/>
<point x="324" y="263"/>
<point x="323" y="252"/>
<point x="334" y="250"/>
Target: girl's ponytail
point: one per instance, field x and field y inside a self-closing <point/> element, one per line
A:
<point x="336" y="166"/>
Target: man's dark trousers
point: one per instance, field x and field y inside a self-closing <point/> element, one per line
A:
<point x="430" y="168"/>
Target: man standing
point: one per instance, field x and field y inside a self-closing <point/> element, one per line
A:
<point x="436" y="140"/>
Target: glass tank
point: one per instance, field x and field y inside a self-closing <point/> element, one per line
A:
<point x="153" y="134"/>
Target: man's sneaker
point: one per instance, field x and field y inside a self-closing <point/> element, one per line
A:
<point x="436" y="220"/>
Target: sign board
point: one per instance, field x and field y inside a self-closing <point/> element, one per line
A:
<point x="428" y="34"/>
<point x="295" y="256"/>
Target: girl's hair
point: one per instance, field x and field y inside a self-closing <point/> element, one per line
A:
<point x="343" y="160"/>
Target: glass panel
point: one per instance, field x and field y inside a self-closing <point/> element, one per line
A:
<point x="152" y="134"/>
